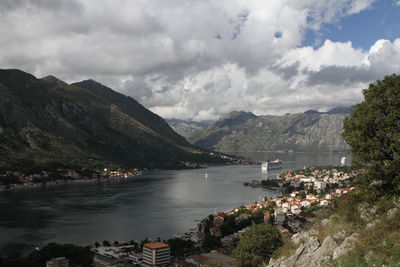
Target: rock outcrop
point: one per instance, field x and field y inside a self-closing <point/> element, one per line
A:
<point x="313" y="253"/>
<point x="346" y="246"/>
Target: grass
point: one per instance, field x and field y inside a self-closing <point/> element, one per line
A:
<point x="287" y="249"/>
<point x="378" y="245"/>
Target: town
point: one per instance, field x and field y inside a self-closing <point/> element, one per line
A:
<point x="308" y="190"/>
<point x="10" y="180"/>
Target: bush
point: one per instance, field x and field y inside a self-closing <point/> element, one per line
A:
<point x="257" y="245"/>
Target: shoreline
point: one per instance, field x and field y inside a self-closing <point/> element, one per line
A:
<point x="115" y="175"/>
<point x="191" y="230"/>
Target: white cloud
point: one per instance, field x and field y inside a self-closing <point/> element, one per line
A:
<point x="196" y="59"/>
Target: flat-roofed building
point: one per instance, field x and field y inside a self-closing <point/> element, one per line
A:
<point x="137" y="258"/>
<point x="156" y="254"/>
<point x="58" y="262"/>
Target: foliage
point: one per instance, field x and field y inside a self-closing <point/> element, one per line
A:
<point x="269" y="183"/>
<point x="211" y="242"/>
<point x="287" y="249"/>
<point x="257" y="245"/>
<point x="378" y="244"/>
<point x="77" y="256"/>
<point x="373" y="132"/>
<point x="11" y="179"/>
<point x="180" y="247"/>
<point x="214" y="263"/>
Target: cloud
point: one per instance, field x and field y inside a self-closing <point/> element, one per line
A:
<point x="200" y="59"/>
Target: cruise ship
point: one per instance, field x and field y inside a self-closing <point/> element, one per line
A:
<point x="271" y="165"/>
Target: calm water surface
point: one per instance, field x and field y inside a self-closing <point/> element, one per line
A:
<point x="156" y="204"/>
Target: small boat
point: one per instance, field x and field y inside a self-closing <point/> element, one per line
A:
<point x="206" y="175"/>
<point x="343" y="161"/>
<point x="271" y="165"/>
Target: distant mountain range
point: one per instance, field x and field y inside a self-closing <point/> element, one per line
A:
<point x="47" y="121"/>
<point x="246" y="132"/>
<point x="187" y="128"/>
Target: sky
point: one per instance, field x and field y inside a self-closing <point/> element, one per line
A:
<point x="198" y="60"/>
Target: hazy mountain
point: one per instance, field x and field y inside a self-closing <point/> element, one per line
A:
<point x="338" y="110"/>
<point x="187" y="128"/>
<point x="242" y="131"/>
<point x="47" y="120"/>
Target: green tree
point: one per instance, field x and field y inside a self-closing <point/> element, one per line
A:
<point x="373" y="132"/>
<point x="214" y="263"/>
<point x="256" y="245"/>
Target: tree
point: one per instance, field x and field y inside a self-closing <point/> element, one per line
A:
<point x="256" y="245"/>
<point x="373" y="132"/>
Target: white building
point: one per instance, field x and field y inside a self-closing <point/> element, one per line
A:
<point x="324" y="202"/>
<point x="319" y="185"/>
<point x="137" y="258"/>
<point x="156" y="254"/>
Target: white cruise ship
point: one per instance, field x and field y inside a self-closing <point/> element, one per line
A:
<point x="271" y="165"/>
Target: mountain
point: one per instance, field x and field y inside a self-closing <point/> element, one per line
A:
<point x="337" y="110"/>
<point x="340" y="110"/>
<point x="187" y="128"/>
<point x="48" y="121"/>
<point x="245" y="132"/>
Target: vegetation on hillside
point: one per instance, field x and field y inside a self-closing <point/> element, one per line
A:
<point x="371" y="212"/>
<point x="256" y="245"/>
<point x="77" y="256"/>
<point x="373" y="132"/>
<point x="47" y="122"/>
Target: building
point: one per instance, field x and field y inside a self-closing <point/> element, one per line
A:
<point x="280" y="216"/>
<point x="58" y="262"/>
<point x="156" y="254"/>
<point x="137" y="258"/>
<point x="104" y="261"/>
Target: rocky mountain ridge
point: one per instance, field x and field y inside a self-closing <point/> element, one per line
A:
<point x="47" y="120"/>
<point x="246" y="132"/>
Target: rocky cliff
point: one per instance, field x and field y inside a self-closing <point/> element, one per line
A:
<point x="246" y="132"/>
<point x="358" y="233"/>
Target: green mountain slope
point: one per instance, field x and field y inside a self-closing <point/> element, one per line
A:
<point x="47" y="120"/>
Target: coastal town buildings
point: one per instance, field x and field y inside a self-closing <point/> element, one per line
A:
<point x="288" y="213"/>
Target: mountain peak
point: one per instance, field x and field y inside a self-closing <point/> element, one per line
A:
<point x="312" y="111"/>
<point x="340" y="110"/>
<point x="54" y="80"/>
<point x="234" y="114"/>
<point x="235" y="118"/>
